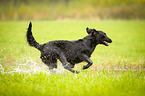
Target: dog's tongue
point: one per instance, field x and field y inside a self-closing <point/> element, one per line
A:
<point x="105" y="42"/>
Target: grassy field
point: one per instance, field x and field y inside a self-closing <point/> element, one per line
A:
<point x="118" y="70"/>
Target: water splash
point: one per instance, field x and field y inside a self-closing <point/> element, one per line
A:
<point x="29" y="66"/>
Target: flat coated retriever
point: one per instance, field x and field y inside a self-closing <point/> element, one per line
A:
<point x="71" y="52"/>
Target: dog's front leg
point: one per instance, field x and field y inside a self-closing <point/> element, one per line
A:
<point x="88" y="60"/>
<point x="71" y="65"/>
<point x="63" y="60"/>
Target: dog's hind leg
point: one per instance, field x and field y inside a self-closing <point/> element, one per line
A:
<point x="63" y="60"/>
<point x="88" y="60"/>
<point x="53" y="66"/>
<point x="51" y="63"/>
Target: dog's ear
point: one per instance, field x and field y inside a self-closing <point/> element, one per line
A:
<point x="89" y="31"/>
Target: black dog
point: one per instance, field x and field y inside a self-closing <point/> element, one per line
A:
<point x="69" y="51"/>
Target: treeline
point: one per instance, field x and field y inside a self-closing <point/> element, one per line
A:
<point x="71" y="9"/>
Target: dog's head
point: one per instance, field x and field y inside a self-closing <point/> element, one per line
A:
<point x="99" y="36"/>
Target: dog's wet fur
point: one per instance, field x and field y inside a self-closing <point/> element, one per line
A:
<point x="69" y="52"/>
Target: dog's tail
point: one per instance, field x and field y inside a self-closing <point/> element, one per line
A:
<point x="30" y="39"/>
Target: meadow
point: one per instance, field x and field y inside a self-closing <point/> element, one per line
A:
<point x="118" y="70"/>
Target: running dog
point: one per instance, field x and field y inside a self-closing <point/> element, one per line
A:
<point x="71" y="52"/>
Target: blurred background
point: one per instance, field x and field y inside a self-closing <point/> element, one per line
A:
<point x="71" y="9"/>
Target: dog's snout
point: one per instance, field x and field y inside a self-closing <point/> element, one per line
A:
<point x="110" y="41"/>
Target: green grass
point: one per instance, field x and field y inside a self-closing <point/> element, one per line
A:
<point x="118" y="69"/>
<point x="86" y="84"/>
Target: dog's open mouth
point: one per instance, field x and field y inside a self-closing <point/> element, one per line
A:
<point x="106" y="43"/>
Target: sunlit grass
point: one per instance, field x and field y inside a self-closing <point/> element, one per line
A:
<point x="100" y="83"/>
<point x="117" y="70"/>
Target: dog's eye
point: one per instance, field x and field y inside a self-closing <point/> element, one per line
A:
<point x="103" y="36"/>
<point x="105" y="33"/>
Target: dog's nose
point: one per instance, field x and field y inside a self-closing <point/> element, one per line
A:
<point x="110" y="41"/>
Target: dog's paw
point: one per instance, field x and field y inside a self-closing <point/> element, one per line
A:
<point x="85" y="67"/>
<point x="77" y="72"/>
